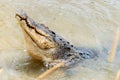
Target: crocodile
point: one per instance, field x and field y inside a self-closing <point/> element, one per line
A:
<point x="45" y="45"/>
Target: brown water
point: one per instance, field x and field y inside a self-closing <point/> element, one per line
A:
<point x="88" y="23"/>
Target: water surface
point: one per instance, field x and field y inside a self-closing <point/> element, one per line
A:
<point x="85" y="23"/>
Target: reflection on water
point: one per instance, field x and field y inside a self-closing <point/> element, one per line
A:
<point x="85" y="23"/>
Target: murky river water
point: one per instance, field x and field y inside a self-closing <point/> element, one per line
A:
<point x="85" y="23"/>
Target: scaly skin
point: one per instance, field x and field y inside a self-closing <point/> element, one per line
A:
<point x="46" y="45"/>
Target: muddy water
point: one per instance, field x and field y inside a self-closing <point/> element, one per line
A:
<point x="85" y="23"/>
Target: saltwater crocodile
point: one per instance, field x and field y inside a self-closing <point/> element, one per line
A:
<point x="46" y="45"/>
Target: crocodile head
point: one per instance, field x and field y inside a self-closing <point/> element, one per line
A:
<point x="42" y="43"/>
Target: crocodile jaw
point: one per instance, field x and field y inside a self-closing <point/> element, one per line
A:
<point x="40" y="40"/>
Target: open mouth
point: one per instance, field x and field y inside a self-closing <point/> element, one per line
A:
<point x="37" y="32"/>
